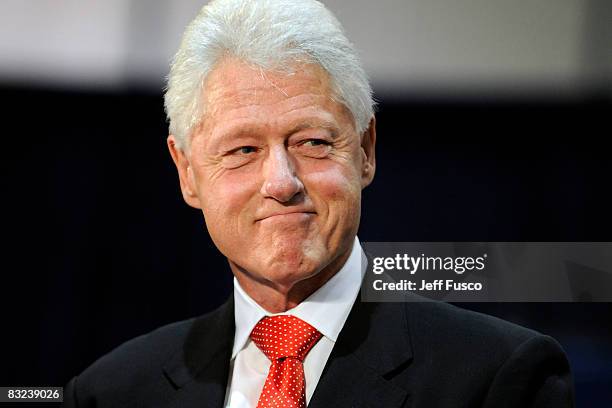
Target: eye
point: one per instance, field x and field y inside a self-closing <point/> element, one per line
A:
<point x="246" y="149"/>
<point x="315" y="148"/>
<point x="239" y="156"/>
<point x="316" y="142"/>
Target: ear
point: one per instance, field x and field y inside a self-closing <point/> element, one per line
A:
<point x="368" y="154"/>
<point x="185" y="173"/>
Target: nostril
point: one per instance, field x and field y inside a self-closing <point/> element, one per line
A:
<point x="282" y="189"/>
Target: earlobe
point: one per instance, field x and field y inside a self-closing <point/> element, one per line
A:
<point x="185" y="172"/>
<point x="190" y="182"/>
<point x="368" y="145"/>
<point x="190" y="178"/>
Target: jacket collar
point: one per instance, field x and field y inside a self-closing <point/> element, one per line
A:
<point x="199" y="370"/>
<point x="373" y="347"/>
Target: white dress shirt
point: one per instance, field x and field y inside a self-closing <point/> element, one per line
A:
<point x="326" y="310"/>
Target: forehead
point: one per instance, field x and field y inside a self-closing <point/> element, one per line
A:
<point x="237" y="89"/>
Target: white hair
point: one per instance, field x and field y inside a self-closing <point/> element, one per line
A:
<point x="269" y="34"/>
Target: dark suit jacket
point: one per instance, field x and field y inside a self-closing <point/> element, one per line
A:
<point x="421" y="355"/>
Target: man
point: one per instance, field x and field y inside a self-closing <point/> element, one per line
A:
<point x="273" y="136"/>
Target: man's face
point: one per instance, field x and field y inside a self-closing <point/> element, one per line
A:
<point x="277" y="168"/>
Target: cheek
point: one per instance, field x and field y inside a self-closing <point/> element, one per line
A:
<point x="337" y="186"/>
<point x="226" y="199"/>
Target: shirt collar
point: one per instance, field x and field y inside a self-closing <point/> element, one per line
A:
<point x="326" y="309"/>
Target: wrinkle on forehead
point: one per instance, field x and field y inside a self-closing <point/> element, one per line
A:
<point x="264" y="77"/>
<point x="237" y="90"/>
<point x="228" y="79"/>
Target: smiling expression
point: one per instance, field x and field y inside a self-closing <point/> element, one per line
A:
<point x="277" y="169"/>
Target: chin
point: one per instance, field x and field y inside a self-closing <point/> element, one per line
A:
<point x="291" y="263"/>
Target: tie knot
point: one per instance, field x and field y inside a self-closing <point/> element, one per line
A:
<point x="284" y="336"/>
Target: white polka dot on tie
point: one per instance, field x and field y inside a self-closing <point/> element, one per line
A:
<point x="285" y="385"/>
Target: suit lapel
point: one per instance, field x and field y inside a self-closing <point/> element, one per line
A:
<point x="199" y="370"/>
<point x="372" y="348"/>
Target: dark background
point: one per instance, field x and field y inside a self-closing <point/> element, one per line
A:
<point x="99" y="247"/>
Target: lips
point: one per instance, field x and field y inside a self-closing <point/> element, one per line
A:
<point x="286" y="214"/>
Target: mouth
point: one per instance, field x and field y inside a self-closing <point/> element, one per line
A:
<point x="289" y="216"/>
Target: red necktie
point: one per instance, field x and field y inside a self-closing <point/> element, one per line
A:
<point x="285" y="340"/>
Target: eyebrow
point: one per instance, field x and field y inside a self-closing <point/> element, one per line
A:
<point x="331" y="126"/>
<point x="253" y="128"/>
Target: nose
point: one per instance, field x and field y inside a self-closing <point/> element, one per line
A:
<point x="280" y="181"/>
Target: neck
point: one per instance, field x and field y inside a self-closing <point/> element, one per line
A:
<point x="276" y="297"/>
